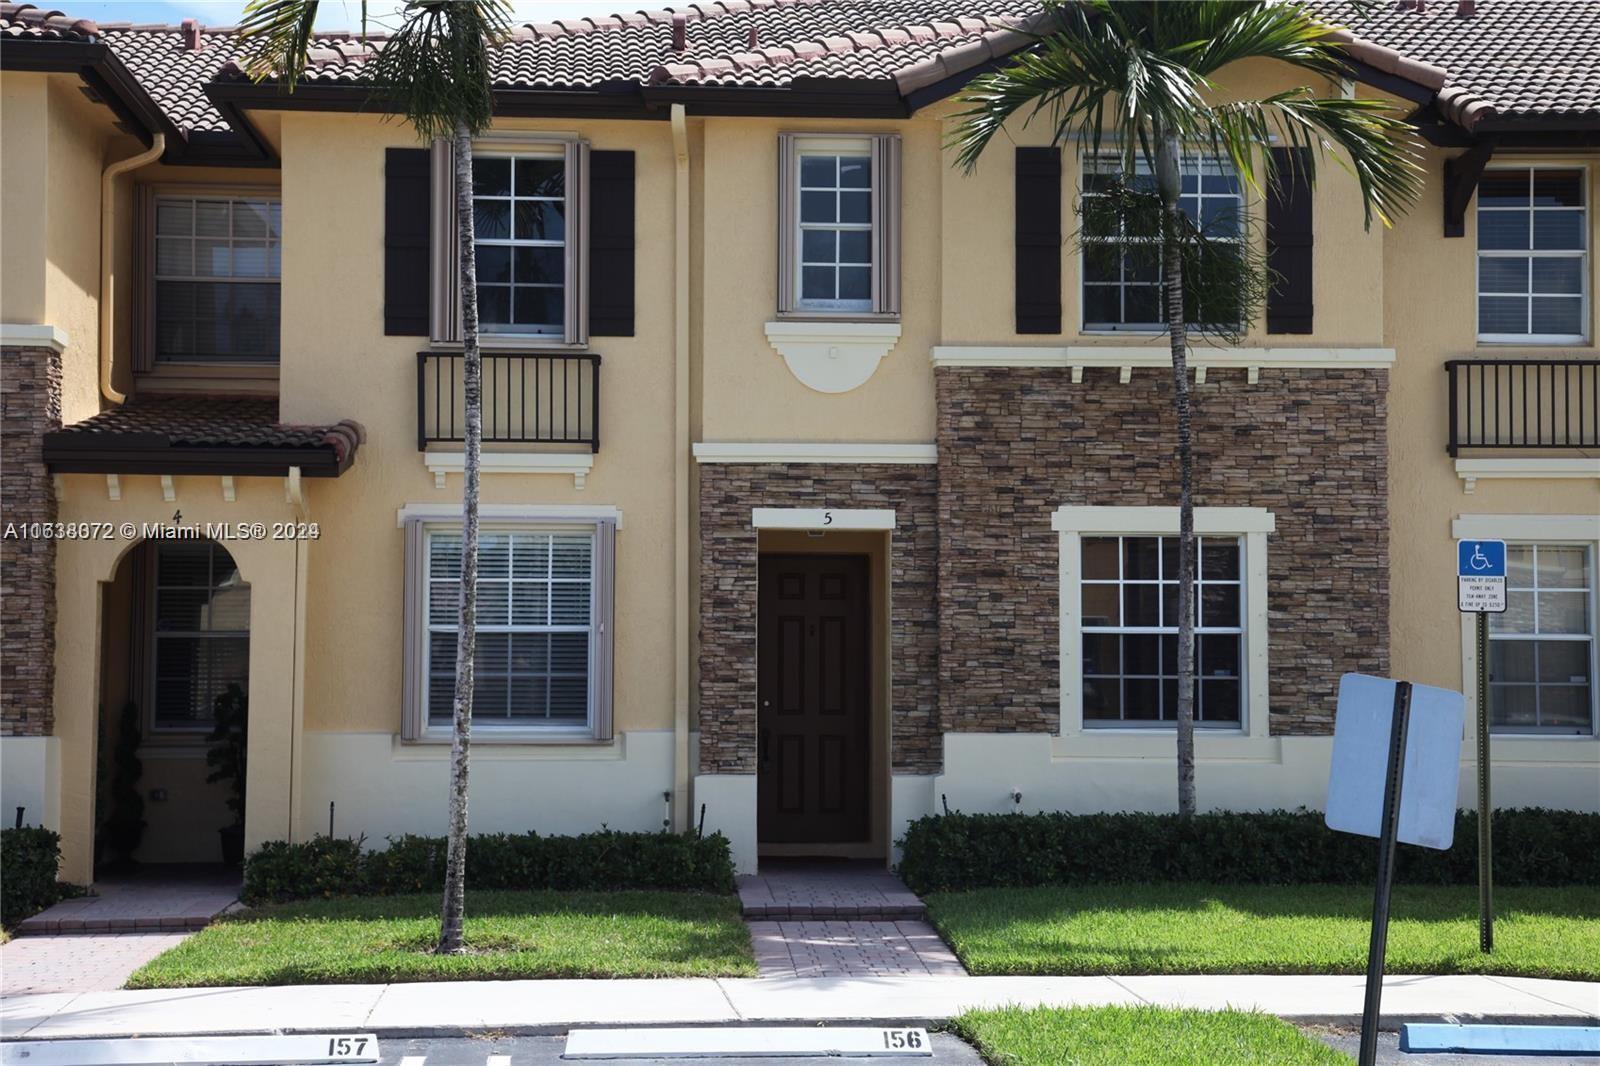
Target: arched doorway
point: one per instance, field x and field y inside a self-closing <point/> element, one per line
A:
<point x="175" y="658"/>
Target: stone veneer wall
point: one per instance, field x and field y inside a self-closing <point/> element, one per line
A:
<point x="30" y="407"/>
<point x="1016" y="443"/>
<point x="728" y="588"/>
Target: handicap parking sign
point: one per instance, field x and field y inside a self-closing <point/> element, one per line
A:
<point x="1481" y="576"/>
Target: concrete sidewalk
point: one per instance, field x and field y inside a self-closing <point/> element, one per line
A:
<point x="528" y="1007"/>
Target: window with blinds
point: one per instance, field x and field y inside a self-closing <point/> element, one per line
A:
<point x="216" y="293"/>
<point x="542" y="635"/>
<point x="201" y="636"/>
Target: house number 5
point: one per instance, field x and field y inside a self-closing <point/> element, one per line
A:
<point x="827" y="518"/>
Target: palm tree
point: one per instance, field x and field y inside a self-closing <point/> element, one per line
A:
<point x="434" y="70"/>
<point x="1141" y="76"/>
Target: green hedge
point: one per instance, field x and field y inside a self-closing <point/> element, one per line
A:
<point x="28" y="860"/>
<point x="602" y="861"/>
<point x="958" y="851"/>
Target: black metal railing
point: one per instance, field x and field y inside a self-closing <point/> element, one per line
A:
<point x="1524" y="403"/>
<point x="528" y="398"/>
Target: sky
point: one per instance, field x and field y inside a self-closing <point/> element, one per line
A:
<point x="333" y="14"/>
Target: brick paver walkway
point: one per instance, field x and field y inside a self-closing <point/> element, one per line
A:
<point x="799" y="891"/>
<point x="852" y="949"/>
<point x="86" y="962"/>
<point x="154" y="898"/>
<point x="840" y="919"/>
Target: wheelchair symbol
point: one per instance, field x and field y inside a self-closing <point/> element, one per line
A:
<point x="1479" y="561"/>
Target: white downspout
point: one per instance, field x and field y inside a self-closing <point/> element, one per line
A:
<point x="682" y="817"/>
<point x="108" y="210"/>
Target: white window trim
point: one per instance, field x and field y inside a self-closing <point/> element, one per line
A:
<point x="1251" y="524"/>
<point x="884" y="149"/>
<point x="445" y="316"/>
<point x="1529" y="529"/>
<point x="600" y="727"/>
<point x="1584" y="257"/>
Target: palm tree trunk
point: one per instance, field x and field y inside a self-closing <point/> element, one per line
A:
<point x="1169" y="182"/>
<point x="453" y="916"/>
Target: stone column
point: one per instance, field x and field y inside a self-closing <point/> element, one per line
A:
<point x="30" y="407"/>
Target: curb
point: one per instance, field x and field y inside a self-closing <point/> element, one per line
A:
<point x="1390" y="1023"/>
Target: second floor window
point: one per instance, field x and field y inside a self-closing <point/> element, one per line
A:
<point x="1122" y="283"/>
<point x="1533" y="263"/>
<point x="216" y="295"/>
<point x="839" y="224"/>
<point x="520" y="221"/>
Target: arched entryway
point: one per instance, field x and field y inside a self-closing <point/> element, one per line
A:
<point x="175" y="678"/>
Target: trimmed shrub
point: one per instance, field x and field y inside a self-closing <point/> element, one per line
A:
<point x="602" y="861"/>
<point x="29" y="857"/>
<point x="950" y="852"/>
<point x="315" y="868"/>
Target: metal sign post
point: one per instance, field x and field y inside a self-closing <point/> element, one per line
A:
<point x="1378" y="945"/>
<point x="1481" y="590"/>
<point x="1394" y="775"/>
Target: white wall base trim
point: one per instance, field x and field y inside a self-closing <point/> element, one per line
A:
<point x="28" y="335"/>
<point x="576" y="464"/>
<point x="381" y="794"/>
<point x="844" y="452"/>
<point x="30" y="777"/>
<point x="1126" y="357"/>
<point x="1470" y="470"/>
<point x="833" y="357"/>
<point x="982" y="770"/>
<point x="730" y="801"/>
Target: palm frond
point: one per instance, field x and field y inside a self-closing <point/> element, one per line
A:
<point x="277" y="36"/>
<point x="435" y="69"/>
<point x="1365" y="137"/>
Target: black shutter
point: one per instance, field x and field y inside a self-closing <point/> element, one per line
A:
<point x="1289" y="252"/>
<point x="610" y="244"/>
<point x="1038" y="240"/>
<point x="406" y="209"/>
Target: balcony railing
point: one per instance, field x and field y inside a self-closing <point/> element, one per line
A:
<point x="528" y="398"/>
<point x="1524" y="403"/>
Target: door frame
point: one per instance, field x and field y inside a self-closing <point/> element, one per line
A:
<point x="875" y="545"/>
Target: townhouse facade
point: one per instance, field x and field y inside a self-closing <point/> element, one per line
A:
<point x="874" y="512"/>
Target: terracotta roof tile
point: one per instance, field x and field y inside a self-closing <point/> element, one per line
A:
<point x="1507" y="57"/>
<point x="175" y="423"/>
<point x="1499" y="57"/>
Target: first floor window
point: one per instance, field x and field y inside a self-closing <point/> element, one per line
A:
<point x="839" y="205"/>
<point x="1129" y="591"/>
<point x="1533" y="264"/>
<point x="201" y="635"/>
<point x="216" y="295"/>
<point x="1542" y="649"/>
<point x="542" y="662"/>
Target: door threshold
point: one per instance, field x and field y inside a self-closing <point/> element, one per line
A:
<point x="822" y="851"/>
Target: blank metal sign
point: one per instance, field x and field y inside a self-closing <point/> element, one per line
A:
<point x="1361" y="760"/>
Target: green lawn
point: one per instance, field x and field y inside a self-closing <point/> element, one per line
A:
<point x="509" y="935"/>
<point x="1138" y="1036"/>
<point x="1189" y="928"/>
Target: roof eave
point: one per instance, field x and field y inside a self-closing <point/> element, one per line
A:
<point x="143" y="453"/>
<point x="103" y="71"/>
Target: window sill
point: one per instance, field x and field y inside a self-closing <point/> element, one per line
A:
<point x="1211" y="746"/>
<point x="435" y="747"/>
<point x="1557" y="468"/>
<point x="524" y="342"/>
<point x="576" y="464"/>
<point x="1552" y="340"/>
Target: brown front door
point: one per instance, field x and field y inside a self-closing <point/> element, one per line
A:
<point x="812" y="682"/>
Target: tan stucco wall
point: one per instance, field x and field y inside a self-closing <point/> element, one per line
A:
<point x="1431" y="312"/>
<point x="55" y="143"/>
<point x="747" y="392"/>
<point x="338" y="364"/>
